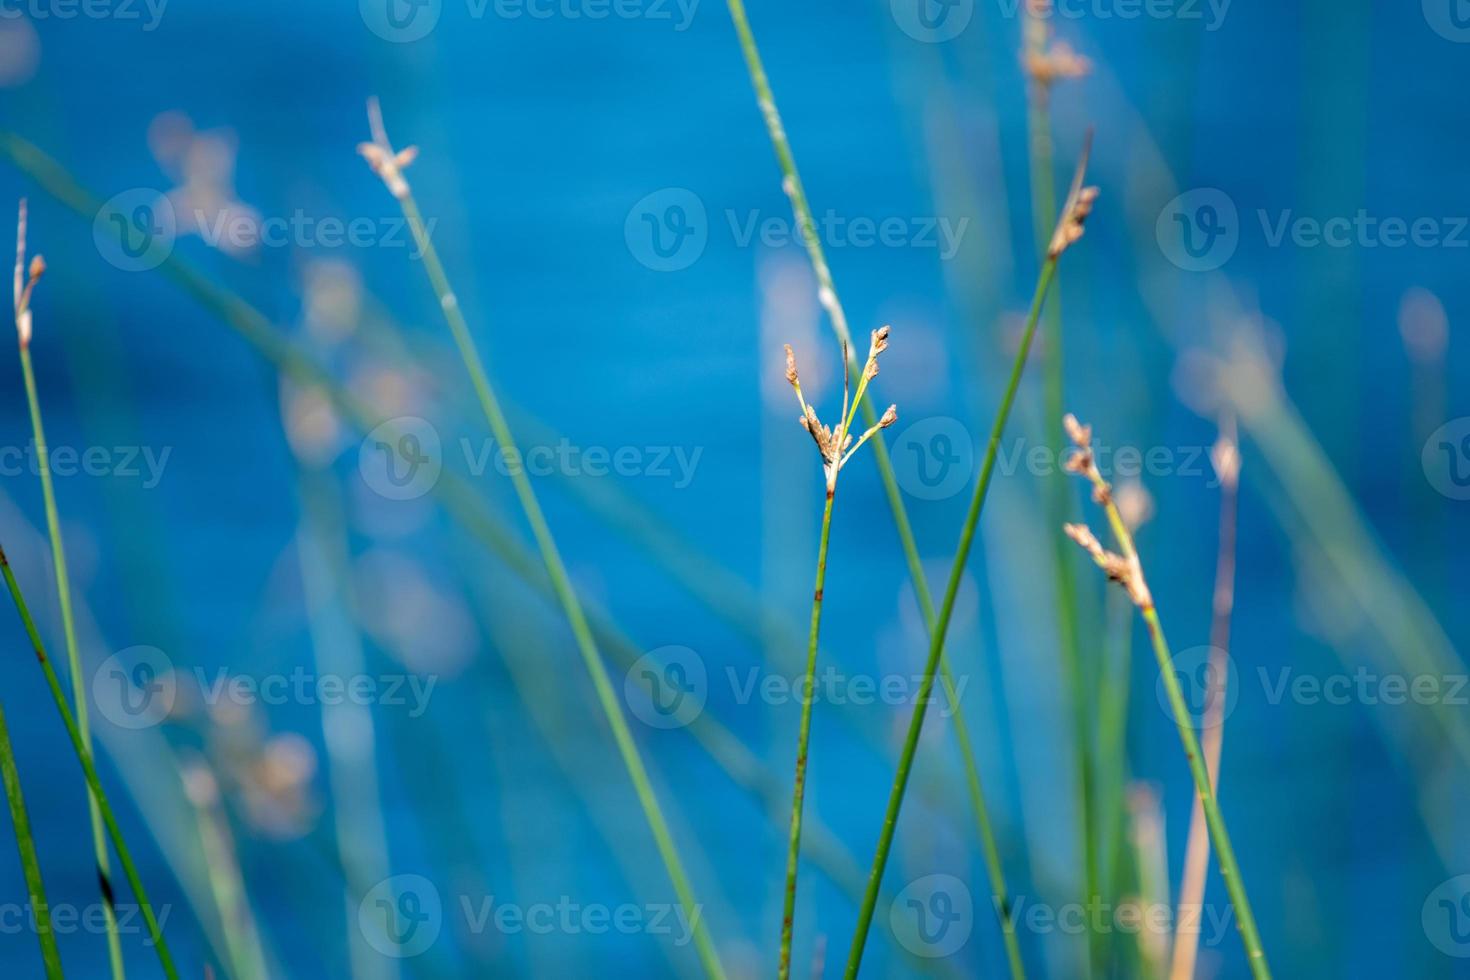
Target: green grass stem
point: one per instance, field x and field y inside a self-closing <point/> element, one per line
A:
<point x="30" y="863"/>
<point x="89" y="770"/>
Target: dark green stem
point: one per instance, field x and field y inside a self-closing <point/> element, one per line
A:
<point x="40" y="909"/>
<point x="798" y="797"/>
<point x="936" y="643"/>
<point x="130" y="871"/>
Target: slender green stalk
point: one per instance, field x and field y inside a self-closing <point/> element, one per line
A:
<point x="1044" y="216"/>
<point x="1128" y="570"/>
<point x="125" y="857"/>
<point x="827" y="292"/>
<point x="551" y="556"/>
<point x="1229" y="868"/>
<point x="63" y="582"/>
<point x="40" y="908"/>
<point x="936" y="643"/>
<point x="833" y="446"/>
<point x="798" y="797"/>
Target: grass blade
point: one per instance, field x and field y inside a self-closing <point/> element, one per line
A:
<point x="27" y="845"/>
<point x="89" y="770"/>
<point x="389" y="164"/>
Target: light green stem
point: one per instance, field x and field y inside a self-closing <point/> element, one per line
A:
<point x="562" y="586"/>
<point x="1184" y="721"/>
<point x="1229" y="869"/>
<point x="73" y="657"/>
<point x="798" y="796"/>
<point x="30" y="863"/>
<point x="936" y="643"/>
<point x="828" y="292"/>
<point x="130" y="871"/>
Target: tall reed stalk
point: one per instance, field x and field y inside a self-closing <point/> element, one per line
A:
<point x="89" y="770"/>
<point x="1225" y="457"/>
<point x="30" y="863"/>
<point x="389" y="165"/>
<point x="25" y="282"/>
<point x="836" y="448"/>
<point x="1127" y="570"/>
<point x="1069" y="230"/>
<point x="1046" y="62"/>
<point x="827" y="293"/>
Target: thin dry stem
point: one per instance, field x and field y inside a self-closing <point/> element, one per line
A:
<point x="1225" y="457"/>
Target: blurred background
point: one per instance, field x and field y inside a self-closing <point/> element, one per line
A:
<point x="327" y="679"/>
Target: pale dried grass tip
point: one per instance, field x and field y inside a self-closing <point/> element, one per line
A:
<point x="1055" y="63"/>
<point x="1079" y="204"/>
<point x="387" y="163"/>
<point x="1225" y="455"/>
<point x="25" y="279"/>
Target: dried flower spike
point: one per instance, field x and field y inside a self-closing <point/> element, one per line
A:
<point x="1080" y="201"/>
<point x="387" y="163"/>
<point x="836" y="446"/>
<point x="1125" y="568"/>
<point x="1054" y="62"/>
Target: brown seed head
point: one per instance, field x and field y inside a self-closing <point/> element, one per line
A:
<point x="889" y="417"/>
<point x="791" y="377"/>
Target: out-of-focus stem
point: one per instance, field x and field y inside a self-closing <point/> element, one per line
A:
<point x="1197" y="848"/>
